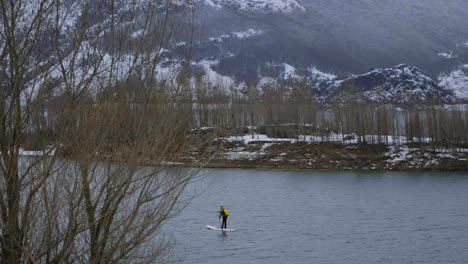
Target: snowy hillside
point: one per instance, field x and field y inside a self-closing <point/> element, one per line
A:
<point x="263" y="41"/>
<point x="401" y="84"/>
<point x="456" y="81"/>
<point x="339" y="36"/>
<point x="262" y="6"/>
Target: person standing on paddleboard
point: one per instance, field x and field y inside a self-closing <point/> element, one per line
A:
<point x="224" y="213"/>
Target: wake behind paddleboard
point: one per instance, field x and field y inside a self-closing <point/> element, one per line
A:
<point x="219" y="229"/>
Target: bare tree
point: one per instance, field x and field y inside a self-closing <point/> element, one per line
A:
<point x="92" y="91"/>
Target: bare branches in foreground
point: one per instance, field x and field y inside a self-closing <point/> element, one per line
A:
<point x="86" y="96"/>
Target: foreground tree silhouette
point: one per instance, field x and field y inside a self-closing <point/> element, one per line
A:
<point x="85" y="197"/>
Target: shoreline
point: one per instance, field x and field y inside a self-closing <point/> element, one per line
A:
<point x="291" y="168"/>
<point x="261" y="152"/>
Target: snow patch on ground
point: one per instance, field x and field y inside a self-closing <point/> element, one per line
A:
<point x="170" y="163"/>
<point x="447" y="55"/>
<point x="167" y="70"/>
<point x="70" y="15"/>
<point x="212" y="4"/>
<point x="138" y="33"/>
<point x="219" y="38"/>
<point x="446" y="155"/>
<point x="398" y="156"/>
<point x="332" y="137"/>
<point x="279" y="158"/>
<point x="256" y="138"/>
<point x="266" y="81"/>
<point x="247" y="34"/>
<point x="212" y="76"/>
<point x="241" y="154"/>
<point x="318" y="75"/>
<point x="421" y="158"/>
<point x="262" y="6"/>
<point x="290" y="72"/>
<point x="37" y="153"/>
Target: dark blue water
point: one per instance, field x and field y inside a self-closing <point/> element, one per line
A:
<point x="323" y="217"/>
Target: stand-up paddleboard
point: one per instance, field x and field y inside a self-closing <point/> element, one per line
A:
<point x="219" y="229"/>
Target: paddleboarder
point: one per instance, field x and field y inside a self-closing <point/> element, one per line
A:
<point x="224" y="213"/>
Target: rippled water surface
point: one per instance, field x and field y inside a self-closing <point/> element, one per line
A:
<point x="326" y="217"/>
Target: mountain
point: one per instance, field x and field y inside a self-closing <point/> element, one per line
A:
<point x="262" y="41"/>
<point x="399" y="85"/>
<point x="339" y="36"/>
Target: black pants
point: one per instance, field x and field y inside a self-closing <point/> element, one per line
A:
<point x="224" y="224"/>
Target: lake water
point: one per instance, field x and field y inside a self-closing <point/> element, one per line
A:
<point x="325" y="217"/>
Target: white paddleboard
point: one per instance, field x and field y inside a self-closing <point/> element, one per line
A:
<point x="218" y="229"/>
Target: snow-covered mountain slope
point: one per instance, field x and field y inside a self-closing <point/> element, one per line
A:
<point x="262" y="6"/>
<point x="341" y="36"/>
<point x="399" y="85"/>
<point x="262" y="41"/>
<point x="456" y="81"/>
<point x="91" y="60"/>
